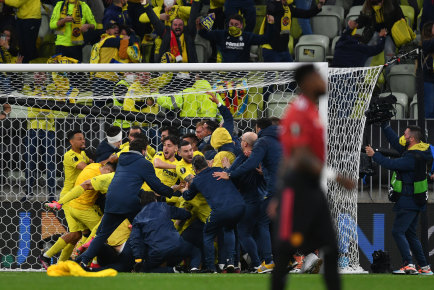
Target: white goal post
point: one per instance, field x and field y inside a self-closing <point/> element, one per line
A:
<point x="48" y="100"/>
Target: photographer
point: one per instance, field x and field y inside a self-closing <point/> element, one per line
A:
<point x="409" y="192"/>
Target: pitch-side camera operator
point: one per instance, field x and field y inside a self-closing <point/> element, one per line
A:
<point x="409" y="191"/>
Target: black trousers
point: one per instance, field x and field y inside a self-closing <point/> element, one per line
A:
<point x="304" y="223"/>
<point x="109" y="223"/>
<point x="28" y="30"/>
<point x="75" y="51"/>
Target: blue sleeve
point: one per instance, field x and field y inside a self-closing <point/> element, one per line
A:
<point x="154" y="182"/>
<point x="136" y="241"/>
<point x="158" y="25"/>
<point x="107" y="17"/>
<point x="393" y="138"/>
<point x="252" y="162"/>
<point x="213" y="35"/>
<point x="191" y="192"/>
<point x="112" y="42"/>
<point x="194" y="13"/>
<point x="405" y="163"/>
<point x="372" y="50"/>
<point x="179" y="213"/>
<point x="256" y="39"/>
<point x="228" y="119"/>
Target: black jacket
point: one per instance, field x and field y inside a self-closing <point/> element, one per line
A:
<point x="349" y="52"/>
<point x="104" y="150"/>
<point x="266" y="151"/>
<point x="165" y="32"/>
<point x="428" y="51"/>
<point x="132" y="171"/>
<point x="279" y="41"/>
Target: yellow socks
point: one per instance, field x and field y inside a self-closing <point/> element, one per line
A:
<point x="56" y="248"/>
<point x="66" y="252"/>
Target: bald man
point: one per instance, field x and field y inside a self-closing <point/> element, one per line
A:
<point x="250" y="186"/>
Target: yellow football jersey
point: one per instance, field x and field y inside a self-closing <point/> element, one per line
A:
<point x="102" y="182"/>
<point x="167" y="176"/>
<point x="70" y="161"/>
<point x="86" y="199"/>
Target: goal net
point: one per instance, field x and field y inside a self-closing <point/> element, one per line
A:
<point x="49" y="100"/>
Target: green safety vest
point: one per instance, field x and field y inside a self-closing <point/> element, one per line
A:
<point x="420" y="183"/>
<point x="119" y="103"/>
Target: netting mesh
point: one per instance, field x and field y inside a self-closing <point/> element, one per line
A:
<point x="47" y="105"/>
<point x="350" y="92"/>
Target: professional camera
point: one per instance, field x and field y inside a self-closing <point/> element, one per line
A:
<point x="381" y="109"/>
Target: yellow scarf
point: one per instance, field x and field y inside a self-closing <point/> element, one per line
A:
<point x="76" y="34"/>
<point x="285" y="24"/>
<point x="71" y="268"/>
<point x="379" y="17"/>
<point x="421" y="146"/>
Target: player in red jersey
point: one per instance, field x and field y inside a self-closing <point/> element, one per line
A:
<point x="300" y="209"/>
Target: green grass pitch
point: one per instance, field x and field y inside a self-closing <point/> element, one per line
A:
<point x="127" y="281"/>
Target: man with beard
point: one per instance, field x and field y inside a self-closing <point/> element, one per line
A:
<point x="170" y="148"/>
<point x="177" y="39"/>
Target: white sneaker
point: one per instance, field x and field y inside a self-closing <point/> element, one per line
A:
<point x="295" y="271"/>
<point x="312" y="264"/>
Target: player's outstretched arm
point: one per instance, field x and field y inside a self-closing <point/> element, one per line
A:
<point x="158" y="163"/>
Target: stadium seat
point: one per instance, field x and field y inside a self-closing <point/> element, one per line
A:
<point x="354" y="13"/>
<point x="402" y="79"/>
<point x="203" y="49"/>
<point x="408" y="12"/>
<point x="261" y="11"/>
<point x="44" y="29"/>
<point x="277" y="103"/>
<point x="329" y="21"/>
<point x="312" y="48"/>
<point x="413" y="108"/>
<point x="255" y="53"/>
<point x="401" y="104"/>
<point x="86" y="50"/>
<point x="335" y="40"/>
<point x="346" y="4"/>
